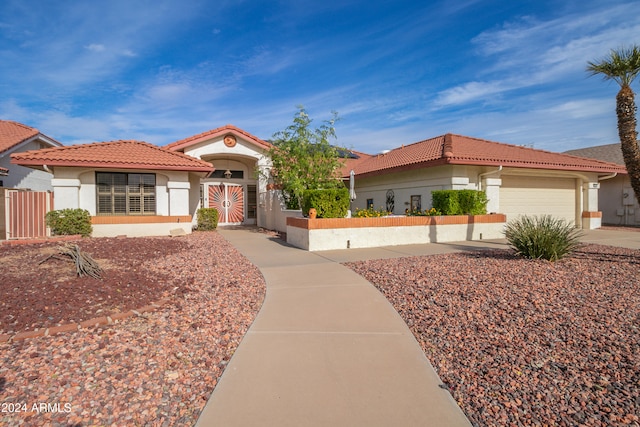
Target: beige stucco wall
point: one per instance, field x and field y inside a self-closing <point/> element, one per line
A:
<point x="582" y="194"/>
<point x="617" y="209"/>
<point x="409" y="183"/>
<point x="370" y="237"/>
<point x="76" y="188"/>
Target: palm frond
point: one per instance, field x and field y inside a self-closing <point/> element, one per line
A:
<point x="622" y="65"/>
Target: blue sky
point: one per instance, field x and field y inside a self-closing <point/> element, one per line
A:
<point x="397" y="72"/>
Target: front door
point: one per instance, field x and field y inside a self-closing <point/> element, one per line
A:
<point x="228" y="199"/>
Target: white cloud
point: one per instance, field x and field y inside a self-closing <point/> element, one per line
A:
<point x="94" y="47"/>
<point x="470" y="91"/>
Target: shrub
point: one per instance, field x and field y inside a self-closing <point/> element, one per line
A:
<point x="66" y="222"/>
<point x="370" y="213"/>
<point x="459" y="202"/>
<point x="329" y="203"/>
<point x="207" y="219"/>
<point x="543" y="237"/>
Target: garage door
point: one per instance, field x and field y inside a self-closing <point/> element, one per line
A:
<point x="521" y="195"/>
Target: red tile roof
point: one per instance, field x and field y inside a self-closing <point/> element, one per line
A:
<point x="463" y="150"/>
<point x="14" y="133"/>
<point x="224" y="130"/>
<point x="114" y="154"/>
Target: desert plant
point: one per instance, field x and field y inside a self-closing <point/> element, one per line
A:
<point x="69" y="222"/>
<point x="623" y="66"/>
<point x="542" y="237"/>
<point x="207" y="219"/>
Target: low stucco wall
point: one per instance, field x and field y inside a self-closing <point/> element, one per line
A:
<point x="140" y="226"/>
<point x="343" y="233"/>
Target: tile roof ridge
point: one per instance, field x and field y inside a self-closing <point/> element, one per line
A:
<point x="410" y="145"/>
<point x="220" y="129"/>
<point x="521" y="147"/>
<point x="447" y="147"/>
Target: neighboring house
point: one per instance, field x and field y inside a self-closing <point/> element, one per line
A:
<point x="616" y="199"/>
<point x="16" y="138"/>
<point x="518" y="180"/>
<point x="129" y="187"/>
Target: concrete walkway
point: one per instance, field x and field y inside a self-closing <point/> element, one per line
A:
<point x="327" y="349"/>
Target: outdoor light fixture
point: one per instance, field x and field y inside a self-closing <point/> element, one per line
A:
<point x="227" y="173"/>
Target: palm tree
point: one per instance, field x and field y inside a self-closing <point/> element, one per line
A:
<point x="623" y="66"/>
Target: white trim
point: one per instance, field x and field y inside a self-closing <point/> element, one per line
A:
<point x="65" y="182"/>
<point x="180" y="185"/>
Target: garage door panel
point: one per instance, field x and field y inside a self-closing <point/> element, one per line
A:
<point x="537" y="196"/>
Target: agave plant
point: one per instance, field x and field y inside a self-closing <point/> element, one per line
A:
<point x="542" y="237"/>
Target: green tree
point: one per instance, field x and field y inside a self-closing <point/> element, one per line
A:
<point x="304" y="159"/>
<point x="623" y="66"/>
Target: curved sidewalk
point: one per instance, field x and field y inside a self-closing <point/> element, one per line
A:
<point x="326" y="349"/>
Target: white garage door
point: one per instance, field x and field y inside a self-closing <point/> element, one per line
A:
<point x="521" y="195"/>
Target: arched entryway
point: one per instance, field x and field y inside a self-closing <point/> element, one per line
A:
<point x="229" y="200"/>
<point x="232" y="190"/>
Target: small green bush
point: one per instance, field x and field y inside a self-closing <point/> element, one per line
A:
<point x="472" y="202"/>
<point x="329" y="203"/>
<point x="67" y="222"/>
<point x="207" y="219"/>
<point x="543" y="237"/>
<point x="459" y="202"/>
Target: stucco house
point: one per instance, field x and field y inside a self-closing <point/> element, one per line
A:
<point x="129" y="187"/>
<point x="17" y="137"/>
<point x="616" y="199"/>
<point x="518" y="180"/>
<point x="134" y="188"/>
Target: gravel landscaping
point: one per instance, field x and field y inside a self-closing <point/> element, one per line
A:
<point x="526" y="342"/>
<point x="517" y="342"/>
<point x="153" y="369"/>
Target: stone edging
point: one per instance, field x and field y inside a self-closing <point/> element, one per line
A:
<point x="96" y="321"/>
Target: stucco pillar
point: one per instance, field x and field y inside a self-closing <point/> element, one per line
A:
<point x="591" y="217"/>
<point x="178" y="197"/>
<point x="491" y="187"/>
<point x="459" y="183"/>
<point x="66" y="193"/>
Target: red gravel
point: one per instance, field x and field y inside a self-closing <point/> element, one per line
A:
<point x="526" y="343"/>
<point x="42" y="288"/>
<point x="157" y="369"/>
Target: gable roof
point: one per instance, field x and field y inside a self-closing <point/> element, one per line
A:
<point x="607" y="153"/>
<point x="223" y="130"/>
<point x="113" y="154"/>
<point x="451" y="149"/>
<point x="14" y="133"/>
